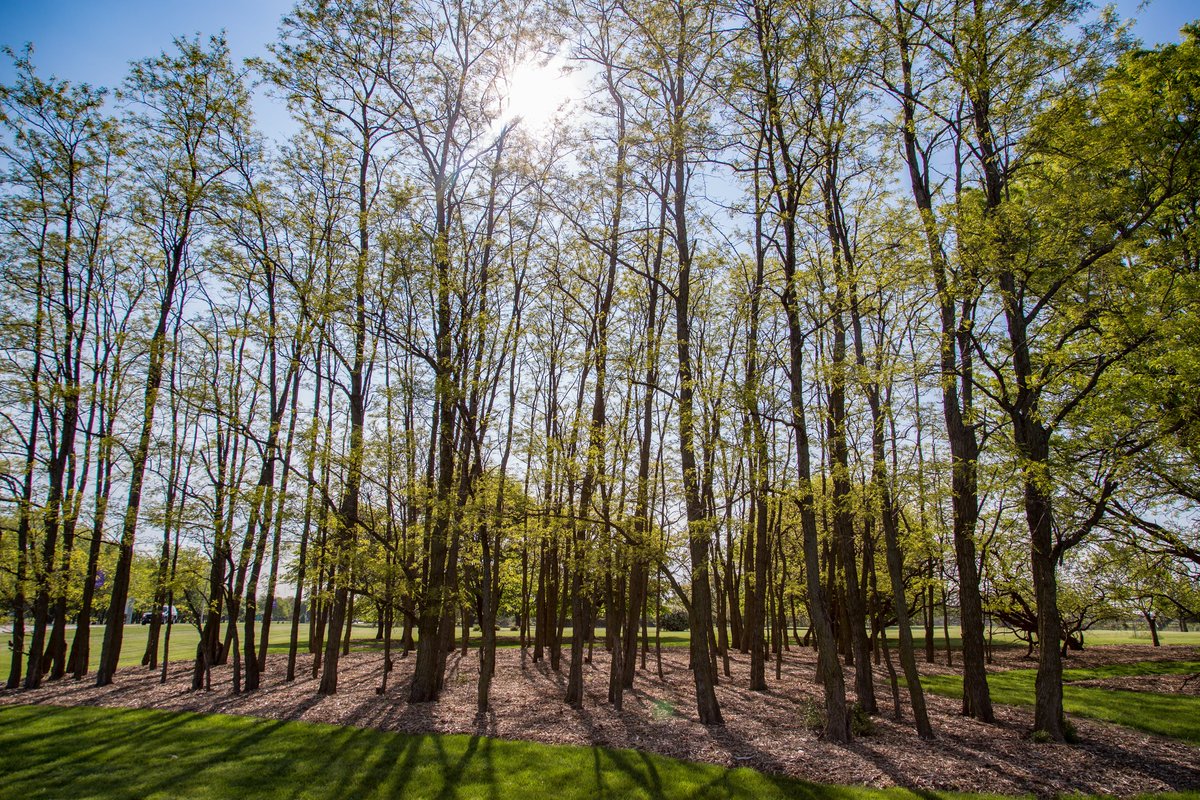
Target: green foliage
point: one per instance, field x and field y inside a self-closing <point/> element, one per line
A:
<point x="675" y="619"/>
<point x="1089" y="589"/>
<point x="813" y="715"/>
<point x="1043" y="737"/>
<point x="861" y="723"/>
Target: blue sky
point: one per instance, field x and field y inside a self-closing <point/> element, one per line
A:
<point x="94" y="40"/>
<point x="1158" y="22"/>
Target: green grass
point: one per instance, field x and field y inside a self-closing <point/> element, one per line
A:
<point x="1141" y="636"/>
<point x="1091" y="638"/>
<point x="1130" y="670"/>
<point x="510" y="638"/>
<point x="1177" y="716"/>
<point x="48" y="752"/>
<point x="184" y="638"/>
<point x="183" y="642"/>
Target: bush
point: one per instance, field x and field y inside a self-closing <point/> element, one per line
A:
<point x="861" y="723"/>
<point x="1070" y="734"/>
<point x="674" y="620"/>
<point x="813" y="715"/>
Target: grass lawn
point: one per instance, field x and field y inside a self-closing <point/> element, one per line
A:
<point x="510" y="638"/>
<point x="183" y="642"/>
<point x="1177" y="716"/>
<point x="1091" y="638"/>
<point x="1141" y="636"/>
<point x="185" y="636"/>
<point x="48" y="752"/>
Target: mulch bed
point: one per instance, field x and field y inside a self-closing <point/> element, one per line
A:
<point x="1161" y="684"/>
<point x="762" y="730"/>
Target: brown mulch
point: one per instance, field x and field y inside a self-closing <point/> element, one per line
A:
<point x="762" y="730"/>
<point x="1013" y="657"/>
<point x="1161" y="684"/>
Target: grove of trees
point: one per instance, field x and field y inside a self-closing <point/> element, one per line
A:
<point x="810" y="318"/>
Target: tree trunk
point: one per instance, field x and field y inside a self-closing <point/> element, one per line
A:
<point x="956" y="407"/>
<point x="110" y="653"/>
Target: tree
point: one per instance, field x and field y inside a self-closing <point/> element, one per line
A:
<point x="681" y="43"/>
<point x="787" y="170"/>
<point x="61" y="149"/>
<point x="929" y="132"/>
<point x="1059" y="257"/>
<point x="332" y="62"/>
<point x="190" y="118"/>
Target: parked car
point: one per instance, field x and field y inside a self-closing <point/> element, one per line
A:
<point x="167" y="615"/>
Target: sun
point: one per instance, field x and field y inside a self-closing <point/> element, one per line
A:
<point x="539" y="90"/>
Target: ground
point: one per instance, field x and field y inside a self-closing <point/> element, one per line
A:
<point x="766" y="731"/>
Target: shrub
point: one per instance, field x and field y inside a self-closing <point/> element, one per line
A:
<point x="861" y="723"/>
<point x="674" y="620"/>
<point x="1069" y="734"/>
<point x="813" y="715"/>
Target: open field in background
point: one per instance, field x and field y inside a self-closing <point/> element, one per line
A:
<point x="184" y="638"/>
<point x="999" y="638"/>
<point x="1091" y="638"/>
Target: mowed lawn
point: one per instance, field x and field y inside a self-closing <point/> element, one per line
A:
<point x="1174" y="715"/>
<point x="183" y="642"/>
<point x="185" y="636"/>
<point x="1092" y="638"/>
<point x="48" y="752"/>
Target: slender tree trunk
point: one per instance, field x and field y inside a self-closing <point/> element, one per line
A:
<point x="639" y="572"/>
<point x="426" y="680"/>
<point x="81" y="644"/>
<point x="175" y="454"/>
<point x="699" y="523"/>
<point x="23" y="529"/>
<point x="114" y="631"/>
<point x="1153" y="625"/>
<point x="757" y="548"/>
<point x="957" y="408"/>
<point x="277" y="537"/>
<point x="837" y="722"/>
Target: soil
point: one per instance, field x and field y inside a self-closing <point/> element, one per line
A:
<point x="763" y="730"/>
